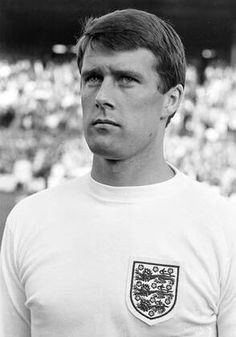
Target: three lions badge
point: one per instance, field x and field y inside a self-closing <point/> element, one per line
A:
<point x="152" y="290"/>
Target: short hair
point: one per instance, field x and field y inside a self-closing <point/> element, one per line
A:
<point x="130" y="29"/>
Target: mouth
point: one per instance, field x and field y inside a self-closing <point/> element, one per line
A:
<point x="105" y="121"/>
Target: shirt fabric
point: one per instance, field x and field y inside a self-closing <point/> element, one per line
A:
<point x="85" y="259"/>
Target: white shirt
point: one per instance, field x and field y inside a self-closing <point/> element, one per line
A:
<point x="85" y="259"/>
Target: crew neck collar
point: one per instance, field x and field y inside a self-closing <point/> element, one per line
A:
<point x="126" y="194"/>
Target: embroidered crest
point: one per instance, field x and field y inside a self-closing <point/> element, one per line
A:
<point x="153" y="290"/>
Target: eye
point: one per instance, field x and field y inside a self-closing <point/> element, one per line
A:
<point x="93" y="79"/>
<point x="125" y="80"/>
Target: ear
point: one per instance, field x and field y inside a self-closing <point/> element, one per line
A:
<point x="172" y="101"/>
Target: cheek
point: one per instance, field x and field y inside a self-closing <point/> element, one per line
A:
<point x="87" y="103"/>
<point x="146" y="99"/>
<point x="85" y="100"/>
<point x="147" y="108"/>
<point x="87" y="96"/>
<point x="143" y="116"/>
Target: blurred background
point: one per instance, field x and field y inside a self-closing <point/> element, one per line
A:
<point x="41" y="138"/>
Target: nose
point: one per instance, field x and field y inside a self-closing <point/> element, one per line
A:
<point x="104" y="98"/>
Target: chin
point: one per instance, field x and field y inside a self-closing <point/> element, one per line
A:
<point x="105" y="151"/>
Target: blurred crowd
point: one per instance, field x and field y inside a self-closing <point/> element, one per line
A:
<point x="202" y="138"/>
<point x="41" y="137"/>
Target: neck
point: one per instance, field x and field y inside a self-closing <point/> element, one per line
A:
<point x="131" y="172"/>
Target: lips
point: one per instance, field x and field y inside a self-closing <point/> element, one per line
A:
<point x="104" y="121"/>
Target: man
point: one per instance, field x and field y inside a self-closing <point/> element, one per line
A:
<point x="136" y="248"/>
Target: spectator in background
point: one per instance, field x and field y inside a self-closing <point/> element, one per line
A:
<point x="46" y="106"/>
<point x="135" y="248"/>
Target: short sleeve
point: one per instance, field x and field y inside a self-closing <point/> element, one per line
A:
<point x="14" y="316"/>
<point x="227" y="306"/>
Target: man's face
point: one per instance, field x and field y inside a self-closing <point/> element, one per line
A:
<point x="121" y="102"/>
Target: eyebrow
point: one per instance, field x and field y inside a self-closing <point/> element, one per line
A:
<point x="115" y="72"/>
<point x="89" y="72"/>
<point x="127" y="72"/>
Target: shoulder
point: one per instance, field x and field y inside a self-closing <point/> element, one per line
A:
<point x="57" y="194"/>
<point x="201" y="194"/>
<point x="210" y="214"/>
<point x="49" y="201"/>
<point x="212" y="210"/>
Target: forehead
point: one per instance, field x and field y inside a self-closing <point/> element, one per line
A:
<point x="140" y="59"/>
